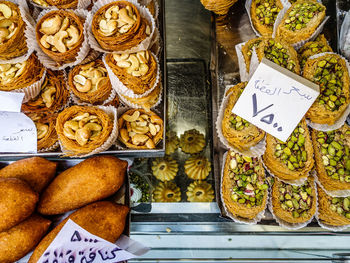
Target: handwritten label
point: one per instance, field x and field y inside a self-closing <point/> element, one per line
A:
<point x="75" y="244"/>
<point x="275" y="99"/>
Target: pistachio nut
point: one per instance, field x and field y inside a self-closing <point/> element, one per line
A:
<point x="267" y="11"/>
<point x="341" y="205"/>
<point x="275" y="52"/>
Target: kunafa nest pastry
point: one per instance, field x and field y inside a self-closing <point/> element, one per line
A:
<point x="137" y="71"/>
<point x="334" y="211"/>
<point x="90" y="82"/>
<point x="119" y="26"/>
<point x="200" y="191"/>
<point x="293" y="159"/>
<point x="331" y="74"/>
<point x="139" y="129"/>
<point x="197" y="167"/>
<point x="247" y="50"/>
<point x="263" y="15"/>
<point x="238" y="132"/>
<point x="244" y="188"/>
<point x="60" y="35"/>
<point x="12" y="40"/>
<point x="20" y="75"/>
<point x="82" y="129"/>
<point x="332" y="155"/>
<point x="53" y="95"/>
<point x="192" y="141"/>
<point x="172" y="142"/>
<point x="219" y="7"/>
<point x="165" y="169"/>
<point x="167" y="192"/>
<point x="301" y="21"/>
<point x="294" y="204"/>
<point x="61" y="4"/>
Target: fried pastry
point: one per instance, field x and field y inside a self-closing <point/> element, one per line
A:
<point x="200" y="191"/>
<point x="104" y="219"/>
<point x="61" y="4"/>
<point x="172" y="142"/>
<point x="167" y="192"/>
<point x="331" y="74"/>
<point x="192" y="141"/>
<point x="332" y="155"/>
<point x="139" y="129"/>
<point x="244" y="187"/>
<point x="247" y="50"/>
<point x="219" y="7"/>
<point x="197" y="167"/>
<point x="165" y="169"/>
<point x="36" y="171"/>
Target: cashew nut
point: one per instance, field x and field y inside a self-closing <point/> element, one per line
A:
<point x="84" y="88"/>
<point x="150" y="144"/>
<point x="139" y="139"/>
<point x="12" y="33"/>
<point x="124" y="29"/>
<point x="124" y="16"/>
<point x="73" y="125"/>
<point x="58" y="41"/>
<point x="79" y="79"/>
<point x="5" y="10"/>
<point x="65" y="24"/>
<point x="42" y="130"/>
<point x="73" y="33"/>
<point x="148" y="30"/>
<point x="3" y="33"/>
<point x="81" y="117"/>
<point x="112" y="12"/>
<point x="21" y="67"/>
<point x="82" y="136"/>
<point x="131" y="118"/>
<point x="120" y="57"/>
<point x="135" y="64"/>
<point x="87" y="66"/>
<point x="101" y="81"/>
<point x="43" y="41"/>
<point x="51" y="26"/>
<point x="124" y="135"/>
<point x="108" y="28"/>
<point x="156" y="119"/>
<point x="93" y="126"/>
<point x="152" y="129"/>
<point x="47" y="96"/>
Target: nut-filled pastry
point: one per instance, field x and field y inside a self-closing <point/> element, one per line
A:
<point x="61" y="4"/>
<point x="247" y="50"/>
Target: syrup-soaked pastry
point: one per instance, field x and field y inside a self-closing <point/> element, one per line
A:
<point x="197" y="167"/>
<point x="247" y="50"/>
<point x="61" y="4"/>
<point x="165" y="169"/>
<point x="192" y="141"/>
<point x="219" y="7"/>
<point x="167" y="192"/>
<point x="200" y="191"/>
<point x="172" y="142"/>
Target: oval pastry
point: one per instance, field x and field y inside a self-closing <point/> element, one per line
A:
<point x="200" y="191"/>
<point x="292" y="160"/>
<point x="244" y="188"/>
<point x="197" y="167"/>
<point x="331" y="74"/>
<point x="165" y="169"/>
<point x="167" y="192"/>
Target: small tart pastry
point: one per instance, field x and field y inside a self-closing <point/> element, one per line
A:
<point x="172" y="142"/>
<point x="82" y="129"/>
<point x="219" y="7"/>
<point x="301" y="21"/>
<point x="119" y="26"/>
<point x="238" y="132"/>
<point x="292" y="160"/>
<point x="331" y="74"/>
<point x="333" y="211"/>
<point x="61" y="4"/>
<point x="165" y="169"/>
<point x="46" y="132"/>
<point x="244" y="187"/>
<point x="60" y="35"/>
<point x="21" y="75"/>
<point x="247" y="50"/>
<point x="263" y="15"/>
<point x="192" y="141"/>
<point x="320" y="45"/>
<point x="167" y="192"/>
<point x="294" y="204"/>
<point x="53" y="95"/>
<point x="200" y="191"/>
<point x="139" y="129"/>
<point x="197" y="167"/>
<point x="90" y="82"/>
<point x="279" y="52"/>
<point x="332" y="155"/>
<point x="137" y="71"/>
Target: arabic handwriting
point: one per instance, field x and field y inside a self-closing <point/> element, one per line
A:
<point x="297" y="90"/>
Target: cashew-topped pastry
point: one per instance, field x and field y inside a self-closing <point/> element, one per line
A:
<point x="57" y="3"/>
<point x="90" y="82"/>
<point x="60" y="35"/>
<point x="119" y="26"/>
<point x="20" y="75"/>
<point x="12" y="40"/>
<point x="137" y="71"/>
<point x="139" y="129"/>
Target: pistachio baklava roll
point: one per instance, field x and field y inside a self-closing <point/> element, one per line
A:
<point x="247" y="50"/>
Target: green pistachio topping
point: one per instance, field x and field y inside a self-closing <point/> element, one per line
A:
<point x="267" y="11"/>
<point x="251" y="46"/>
<point x="341" y="205"/>
<point x="275" y="52"/>
<point x="314" y="48"/>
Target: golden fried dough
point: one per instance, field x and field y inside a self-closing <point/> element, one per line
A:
<point x="89" y="181"/>
<point x="36" y="171"/>
<point x="17" y="202"/>
<point x="104" y="219"/>
<point x="19" y="240"/>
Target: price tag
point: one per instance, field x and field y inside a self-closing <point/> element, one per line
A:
<point x="275" y="99"/>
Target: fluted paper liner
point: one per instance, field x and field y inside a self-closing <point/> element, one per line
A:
<point x="255" y="151"/>
<point x="79" y="102"/>
<point x="91" y="56"/>
<point x="144" y="12"/>
<point x="156" y="45"/>
<point x="335" y="193"/>
<point x="53" y="148"/>
<point x="82" y="4"/>
<point x="241" y="62"/>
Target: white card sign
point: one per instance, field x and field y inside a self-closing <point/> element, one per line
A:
<point x="18" y="132"/>
<point x="275" y="99"/>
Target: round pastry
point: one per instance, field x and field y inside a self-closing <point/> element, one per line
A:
<point x="137" y="71"/>
<point x="139" y="129"/>
<point x="294" y="204"/>
<point x="82" y="129"/>
<point x="53" y="95"/>
<point x="301" y="21"/>
<point x="247" y="50"/>
<point x="172" y="142"/>
<point x="46" y="132"/>
<point x="167" y="192"/>
<point x="192" y="141"/>
<point x="334" y="211"/>
<point x="12" y="40"/>
<point x="165" y="169"/>
<point x="219" y="7"/>
<point x="332" y="155"/>
<point x="293" y="159"/>
<point x="200" y="191"/>
<point x="60" y="35"/>
<point x="90" y="82"/>
<point x="331" y="74"/>
<point x="244" y="188"/>
<point x="62" y="4"/>
<point x="263" y="15"/>
<point x="119" y="26"/>
<point x="197" y="167"/>
<point x="20" y="75"/>
<point x="279" y="52"/>
<point x="238" y="132"/>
